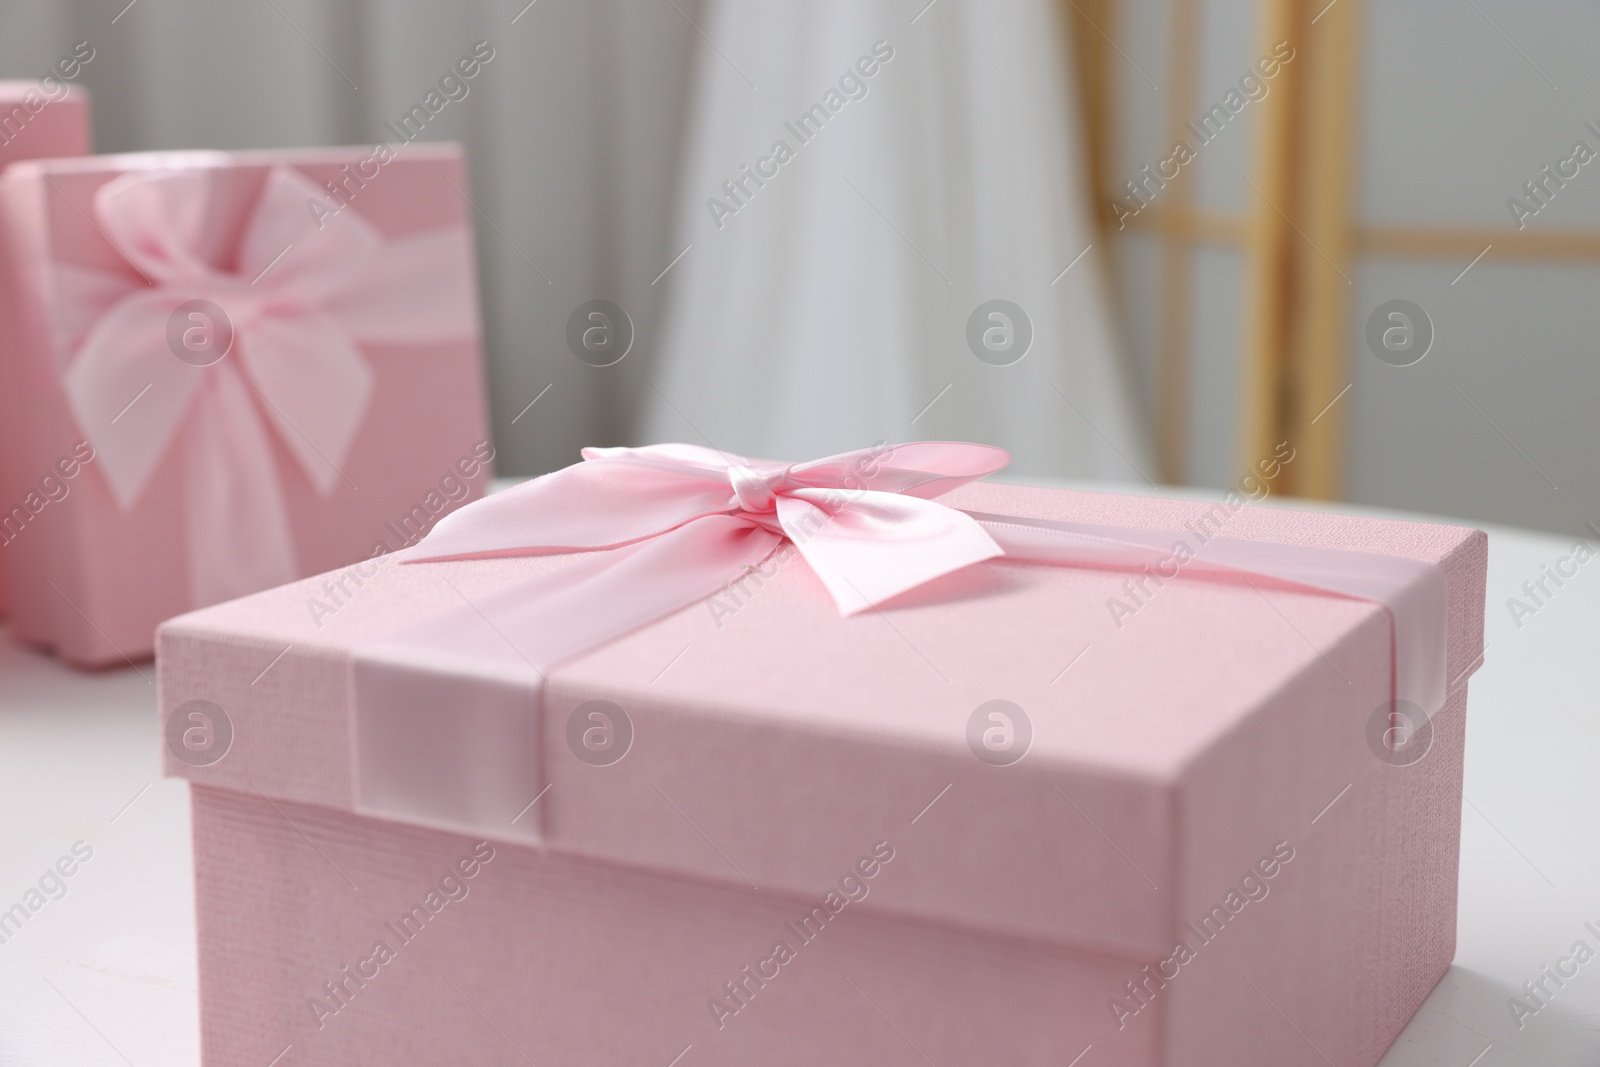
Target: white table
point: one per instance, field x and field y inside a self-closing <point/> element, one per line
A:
<point x="106" y="974"/>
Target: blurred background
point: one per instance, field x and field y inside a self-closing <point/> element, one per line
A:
<point x="1133" y="240"/>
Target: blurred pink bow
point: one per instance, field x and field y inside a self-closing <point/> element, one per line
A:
<point x="273" y="353"/>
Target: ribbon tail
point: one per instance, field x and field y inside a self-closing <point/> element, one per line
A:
<point x="430" y="735"/>
<point x="598" y="597"/>
<point x="315" y="386"/>
<point x="128" y="393"/>
<point x="1410" y="591"/>
<point x="237" y="520"/>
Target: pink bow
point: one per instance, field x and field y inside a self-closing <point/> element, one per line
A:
<point x="300" y="298"/>
<point x="863" y="520"/>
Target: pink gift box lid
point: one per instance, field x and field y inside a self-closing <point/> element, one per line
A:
<point x="34" y="126"/>
<point x="1170" y="748"/>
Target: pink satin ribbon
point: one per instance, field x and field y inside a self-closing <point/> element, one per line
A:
<point x="444" y="730"/>
<point x="302" y="301"/>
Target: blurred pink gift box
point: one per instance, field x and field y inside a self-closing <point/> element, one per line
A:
<point x="233" y="370"/>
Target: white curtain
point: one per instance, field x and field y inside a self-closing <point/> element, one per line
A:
<point x="830" y="309"/>
<point x="594" y="137"/>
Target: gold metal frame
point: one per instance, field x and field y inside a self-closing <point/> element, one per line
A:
<point x="1300" y="238"/>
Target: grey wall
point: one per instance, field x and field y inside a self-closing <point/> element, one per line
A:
<point x="1456" y="114"/>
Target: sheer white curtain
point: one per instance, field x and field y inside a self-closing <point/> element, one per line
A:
<point x="595" y="135"/>
<point x="828" y="306"/>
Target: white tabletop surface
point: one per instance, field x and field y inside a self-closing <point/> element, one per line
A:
<point x="105" y="975"/>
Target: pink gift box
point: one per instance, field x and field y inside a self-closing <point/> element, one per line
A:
<point x="811" y="848"/>
<point x="234" y="369"/>
<point x="37" y="121"/>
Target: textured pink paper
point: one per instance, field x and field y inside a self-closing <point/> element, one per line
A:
<point x="60" y="128"/>
<point x="91" y="580"/>
<point x="769" y="750"/>
<point x="587" y="964"/>
<point x="583" y="962"/>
